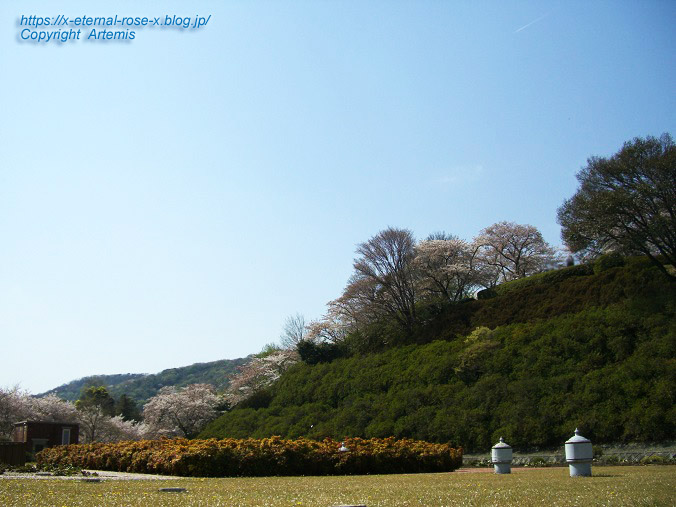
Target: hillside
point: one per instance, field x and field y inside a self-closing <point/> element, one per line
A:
<point x="141" y="386"/>
<point x="587" y="346"/>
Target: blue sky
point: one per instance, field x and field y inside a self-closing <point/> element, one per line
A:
<point x="172" y="199"/>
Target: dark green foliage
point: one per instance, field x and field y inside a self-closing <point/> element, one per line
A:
<point x="486" y="293"/>
<point x="71" y="391"/>
<point x="594" y="351"/>
<point x="96" y="397"/>
<point x="323" y="352"/>
<point x="626" y="203"/>
<point x="607" y="261"/>
<point x="259" y="399"/>
<point x="142" y="387"/>
<point x="127" y="408"/>
<point x="546" y="278"/>
<point x="60" y="470"/>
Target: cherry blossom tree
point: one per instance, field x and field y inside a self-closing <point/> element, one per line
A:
<point x="259" y="373"/>
<point x="53" y="408"/>
<point x="329" y="329"/>
<point x="115" y="429"/>
<point x="15" y="405"/>
<point x="356" y="306"/>
<point x="506" y="251"/>
<point x="181" y="411"/>
<point x="444" y="269"/>
<point x="92" y="421"/>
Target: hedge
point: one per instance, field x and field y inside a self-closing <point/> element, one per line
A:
<point x="258" y="457"/>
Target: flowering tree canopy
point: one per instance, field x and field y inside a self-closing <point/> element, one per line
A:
<point x="183" y="411"/>
<point x="15" y="405"/>
<point x="506" y="251"/>
<point x="444" y="268"/>
<point x="259" y="373"/>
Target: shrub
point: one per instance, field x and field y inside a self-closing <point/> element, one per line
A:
<point x="254" y="457"/>
<point x="656" y="460"/>
<point x="605" y="262"/>
<point x="609" y="460"/>
<point x="486" y="294"/>
<point x="546" y="278"/>
<point x="322" y="352"/>
<point x="537" y="461"/>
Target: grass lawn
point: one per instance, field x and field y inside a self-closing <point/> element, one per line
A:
<point x="644" y="486"/>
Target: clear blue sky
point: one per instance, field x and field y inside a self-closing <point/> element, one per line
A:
<point x="173" y="199"/>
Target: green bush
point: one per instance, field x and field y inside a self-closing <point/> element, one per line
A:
<point x="486" y="294"/>
<point x="607" y="261"/>
<point x="657" y="460"/>
<point x="547" y="278"/>
<point x="323" y="352"/>
<point x="597" y="451"/>
<point x="537" y="461"/>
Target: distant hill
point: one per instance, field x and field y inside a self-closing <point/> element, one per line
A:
<point x="141" y="386"/>
<point x="591" y="346"/>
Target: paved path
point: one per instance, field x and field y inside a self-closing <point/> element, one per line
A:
<point x="127" y="476"/>
<point x="102" y="474"/>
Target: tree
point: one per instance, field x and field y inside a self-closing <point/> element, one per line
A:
<point x="626" y="203"/>
<point x="95" y="405"/>
<point x="259" y="373"/>
<point x="294" y="331"/>
<point x="53" y="408"/>
<point x="444" y="268"/>
<point x="96" y="397"/>
<point x="15" y="406"/>
<point x="115" y="429"/>
<point x="383" y="282"/>
<point x="356" y="307"/>
<point x="183" y="412"/>
<point x="331" y="328"/>
<point x="127" y="409"/>
<point x="506" y="251"/>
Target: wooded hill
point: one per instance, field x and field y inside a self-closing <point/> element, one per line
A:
<point x="589" y="346"/>
<point x="141" y="386"/>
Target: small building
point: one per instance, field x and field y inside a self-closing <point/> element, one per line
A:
<point x="38" y="435"/>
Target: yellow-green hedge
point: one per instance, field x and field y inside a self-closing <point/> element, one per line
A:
<point x="253" y="457"/>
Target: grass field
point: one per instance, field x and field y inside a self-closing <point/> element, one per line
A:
<point x="640" y="486"/>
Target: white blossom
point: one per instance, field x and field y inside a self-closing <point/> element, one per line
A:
<point x="258" y="373"/>
<point x="181" y="412"/>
